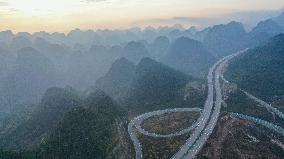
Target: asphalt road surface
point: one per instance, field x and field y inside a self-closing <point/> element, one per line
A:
<point x="196" y="142"/>
<point x="204" y="125"/>
<point x="137" y="121"/>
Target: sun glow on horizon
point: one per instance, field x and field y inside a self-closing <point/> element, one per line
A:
<point x="64" y="15"/>
<point x="40" y="8"/>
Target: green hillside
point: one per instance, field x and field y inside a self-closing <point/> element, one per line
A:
<point x="260" y="70"/>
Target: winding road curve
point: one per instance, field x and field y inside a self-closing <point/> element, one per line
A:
<point x="141" y="118"/>
<point x="269" y="107"/>
<point x="205" y="124"/>
<point x="199" y="138"/>
<point x="262" y="103"/>
<point x="264" y="123"/>
<point x="199" y="126"/>
<point x="137" y="121"/>
<point x="135" y="141"/>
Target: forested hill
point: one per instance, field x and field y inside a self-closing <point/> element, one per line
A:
<point x="261" y="70"/>
<point x="156" y="85"/>
<point x="81" y="128"/>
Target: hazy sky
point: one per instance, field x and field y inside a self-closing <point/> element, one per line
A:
<point x="64" y="15"/>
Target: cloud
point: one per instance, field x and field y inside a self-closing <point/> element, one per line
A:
<point x="4" y="3"/>
<point x="200" y="22"/>
<point x="91" y="1"/>
<point x="251" y="18"/>
<point x="14" y="10"/>
<point x="248" y="18"/>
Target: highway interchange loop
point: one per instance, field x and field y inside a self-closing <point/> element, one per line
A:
<point x="141" y="118"/>
<point x="203" y="127"/>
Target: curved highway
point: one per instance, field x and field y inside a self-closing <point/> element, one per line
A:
<point x="269" y="107"/>
<point x="202" y="130"/>
<point x="262" y="103"/>
<point x="203" y="118"/>
<point x="135" y="141"/>
<point x="205" y="124"/>
<point x="196" y="142"/>
<point x="264" y="123"/>
<point x="137" y="121"/>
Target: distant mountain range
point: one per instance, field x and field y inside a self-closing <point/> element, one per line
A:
<point x="28" y="80"/>
<point x="135" y="51"/>
<point x="225" y="39"/>
<point x="160" y="47"/>
<point x="81" y="57"/>
<point x="72" y="96"/>
<point x="189" y="56"/>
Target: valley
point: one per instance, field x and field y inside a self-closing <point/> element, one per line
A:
<point x="205" y="123"/>
<point x="179" y="91"/>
